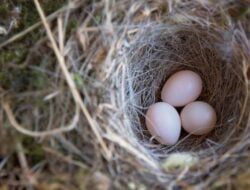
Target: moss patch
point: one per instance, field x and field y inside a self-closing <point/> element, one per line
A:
<point x="4" y="10"/>
<point x="15" y="78"/>
<point x="19" y="80"/>
<point x="32" y="149"/>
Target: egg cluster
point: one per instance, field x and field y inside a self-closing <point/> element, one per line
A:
<point x="196" y="117"/>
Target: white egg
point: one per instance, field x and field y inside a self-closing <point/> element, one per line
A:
<point x="198" y="118"/>
<point x="182" y="88"/>
<point x="163" y="122"/>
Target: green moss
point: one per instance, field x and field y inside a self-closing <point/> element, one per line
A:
<point x="19" y="80"/>
<point x="33" y="150"/>
<point x="80" y="176"/>
<point x="239" y="12"/>
<point x="29" y="14"/>
<point x="4" y="78"/>
<point x="39" y="80"/>
<point x="16" y="55"/>
<point x="4" y="10"/>
<point x="50" y="6"/>
<point x="98" y="19"/>
<point x="72" y="25"/>
<point x="78" y="80"/>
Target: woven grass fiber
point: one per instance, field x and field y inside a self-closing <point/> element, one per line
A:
<point x="119" y="57"/>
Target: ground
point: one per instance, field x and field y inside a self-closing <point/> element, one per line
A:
<point x="27" y="68"/>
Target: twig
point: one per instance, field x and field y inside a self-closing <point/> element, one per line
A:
<point x="21" y="129"/>
<point x="60" y="34"/>
<point x="23" y="162"/>
<point x="64" y="158"/>
<point x="121" y="142"/>
<point x="3" y="162"/>
<point x="72" y="85"/>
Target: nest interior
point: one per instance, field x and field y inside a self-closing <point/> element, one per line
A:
<point x="161" y="51"/>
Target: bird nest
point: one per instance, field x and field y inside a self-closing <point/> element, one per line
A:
<point x="156" y="52"/>
<point x="119" y="67"/>
<point x="144" y="60"/>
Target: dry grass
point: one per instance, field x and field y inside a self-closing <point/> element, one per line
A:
<point x="87" y="119"/>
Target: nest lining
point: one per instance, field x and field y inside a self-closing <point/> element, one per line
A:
<point x="162" y="51"/>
